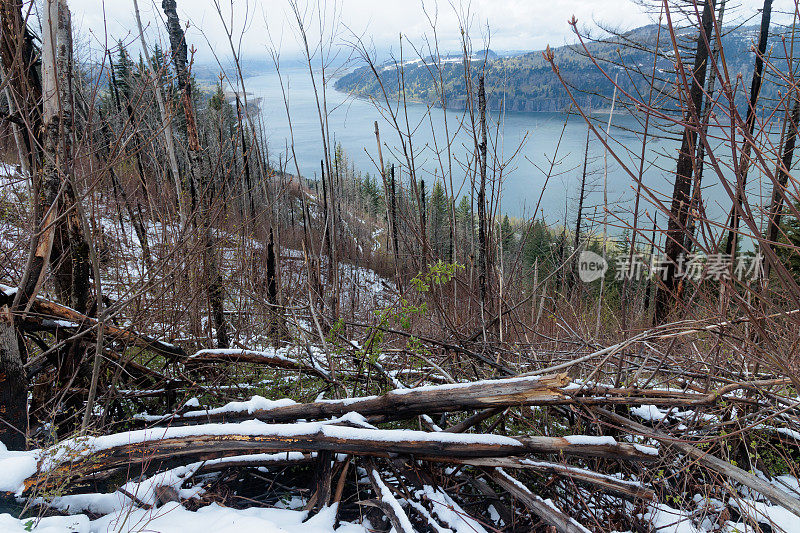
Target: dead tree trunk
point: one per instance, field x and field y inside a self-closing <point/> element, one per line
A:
<point x="581" y="197"/>
<point x="776" y="206"/>
<point x="750" y="122"/>
<point x="423" y="223"/>
<point x="78" y="265"/>
<point x="696" y="207"/>
<point x="666" y="295"/>
<point x="13" y="386"/>
<point x="68" y="248"/>
<point x="648" y="290"/>
<point x="214" y="288"/>
<point x="393" y="224"/>
<point x="169" y="140"/>
<point x="483" y="245"/>
<point x="277" y="327"/>
<point x="247" y="199"/>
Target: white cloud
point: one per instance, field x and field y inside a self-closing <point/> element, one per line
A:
<point x="514" y="24"/>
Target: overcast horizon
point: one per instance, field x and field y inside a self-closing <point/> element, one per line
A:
<point x="258" y="27"/>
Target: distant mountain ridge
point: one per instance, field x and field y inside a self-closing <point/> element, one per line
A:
<point x="525" y="82"/>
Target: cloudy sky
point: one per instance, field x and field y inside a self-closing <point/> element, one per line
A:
<point x="514" y="24"/>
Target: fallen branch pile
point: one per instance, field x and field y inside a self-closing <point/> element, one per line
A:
<point x="397" y="454"/>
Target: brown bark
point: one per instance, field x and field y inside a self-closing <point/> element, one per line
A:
<point x="488" y="396"/>
<point x="405" y="403"/>
<point x="13" y="386"/>
<point x="164" y="452"/>
<point x="46" y="308"/>
<point x="252" y="357"/>
<point x="772" y="493"/>
<point x="549" y="514"/>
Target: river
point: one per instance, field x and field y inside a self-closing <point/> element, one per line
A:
<point x="533" y="136"/>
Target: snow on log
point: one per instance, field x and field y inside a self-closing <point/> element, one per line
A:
<point x="269" y="358"/>
<point x="486" y="395"/>
<point x="396" y="404"/>
<point x="42" y="309"/>
<point x="388" y="503"/>
<point x="85" y="459"/>
<point x="620" y="487"/>
<point x="544" y="509"/>
<point x="769" y="491"/>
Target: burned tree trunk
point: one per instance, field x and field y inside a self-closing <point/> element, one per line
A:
<point x="750" y="122"/>
<point x="483" y="245"/>
<point x="78" y="265"/>
<point x="581" y="197"/>
<point x="776" y="206"/>
<point x="667" y="294"/>
<point x="214" y="288"/>
<point x="13" y="386"/>
<point x="393" y="224"/>
<point x="277" y="325"/>
<point x="423" y="222"/>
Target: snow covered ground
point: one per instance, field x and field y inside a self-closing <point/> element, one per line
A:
<point x="173" y="518"/>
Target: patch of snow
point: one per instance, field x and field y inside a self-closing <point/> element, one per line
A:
<point x="256" y="403"/>
<point x="777" y="517"/>
<point x="665" y="519"/>
<point x="649" y="412"/>
<point x="51" y="524"/>
<point x="15" y="468"/>
<point x="387" y="498"/>
<point x="649" y="450"/>
<point x="588" y="440"/>
<point x="449" y="511"/>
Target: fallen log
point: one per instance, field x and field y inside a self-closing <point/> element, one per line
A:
<point x="240" y="355"/>
<point x="544" y="509"/>
<point x="387" y="502"/>
<point x="42" y="309"/>
<point x="772" y="493"/>
<point x="488" y="396"/>
<point x="100" y="457"/>
<point x="396" y="404"/>
<point x="272" y="461"/>
<point x="619" y="487"/>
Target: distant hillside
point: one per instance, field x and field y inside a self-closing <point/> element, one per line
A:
<point x="526" y="81"/>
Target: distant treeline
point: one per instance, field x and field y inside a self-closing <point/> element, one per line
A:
<point x="525" y="82"/>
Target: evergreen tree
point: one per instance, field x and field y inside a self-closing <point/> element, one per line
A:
<point x="438" y="221"/>
<point x="790" y="256"/>
<point x="123" y="71"/>
<point x="539" y="245"/>
<point x="161" y="67"/>
<point x="217" y="101"/>
<point x="507" y="234"/>
<point x="465" y="224"/>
